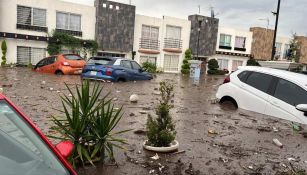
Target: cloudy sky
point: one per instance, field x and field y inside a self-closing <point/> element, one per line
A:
<point x="240" y="14"/>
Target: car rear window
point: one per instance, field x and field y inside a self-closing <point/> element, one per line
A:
<point x="243" y="75"/>
<point x="73" y="57"/>
<point x="100" y="61"/>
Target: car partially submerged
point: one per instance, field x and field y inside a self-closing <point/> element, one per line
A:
<point x="63" y="64"/>
<point x="25" y="150"/>
<point x="114" y="69"/>
<point x="267" y="91"/>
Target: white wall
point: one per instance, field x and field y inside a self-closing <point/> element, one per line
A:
<point x="161" y="23"/>
<point x="234" y="32"/>
<point x="8" y="21"/>
<point x="230" y="60"/>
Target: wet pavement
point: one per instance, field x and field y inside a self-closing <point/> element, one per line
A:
<point x="214" y="138"/>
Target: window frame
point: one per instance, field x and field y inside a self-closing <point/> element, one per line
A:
<point x="223" y="43"/>
<point x="68" y="21"/>
<point x="269" y="88"/>
<point x="244" y="44"/>
<point x="131" y="62"/>
<point x="32" y="16"/>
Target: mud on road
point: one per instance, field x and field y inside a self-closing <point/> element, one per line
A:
<point x="214" y="139"/>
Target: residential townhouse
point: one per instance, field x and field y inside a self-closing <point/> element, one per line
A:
<point x="233" y="48"/>
<point x="27" y="24"/>
<point x="161" y="41"/>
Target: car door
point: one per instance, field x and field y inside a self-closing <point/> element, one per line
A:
<point x="127" y="71"/>
<point x="40" y="66"/>
<point x="137" y="71"/>
<point x="254" y="92"/>
<point x="50" y="67"/>
<point x="284" y="99"/>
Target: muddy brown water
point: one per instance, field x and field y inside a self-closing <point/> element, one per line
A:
<point x="243" y="143"/>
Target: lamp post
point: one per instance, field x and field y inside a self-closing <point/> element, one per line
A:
<point x="200" y="20"/>
<point x="275" y="32"/>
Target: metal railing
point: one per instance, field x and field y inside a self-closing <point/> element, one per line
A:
<point x="150" y="44"/>
<point x="172" y="43"/>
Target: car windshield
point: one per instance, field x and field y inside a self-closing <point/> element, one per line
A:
<point x="73" y="57"/>
<point x="21" y="150"/>
<point x="100" y="61"/>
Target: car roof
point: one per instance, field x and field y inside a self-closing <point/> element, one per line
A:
<point x="112" y="58"/>
<point x="297" y="78"/>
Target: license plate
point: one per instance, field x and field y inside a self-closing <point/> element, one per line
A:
<point x="93" y="73"/>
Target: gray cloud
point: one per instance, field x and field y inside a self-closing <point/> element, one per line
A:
<point x="240" y="14"/>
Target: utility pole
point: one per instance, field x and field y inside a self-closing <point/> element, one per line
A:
<point x="275" y="31"/>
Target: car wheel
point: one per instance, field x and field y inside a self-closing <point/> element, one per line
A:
<point x="229" y="99"/>
<point x="121" y="80"/>
<point x="58" y="72"/>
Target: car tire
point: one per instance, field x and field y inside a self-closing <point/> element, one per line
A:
<point x="229" y="99"/>
<point x="58" y="72"/>
<point x="121" y="80"/>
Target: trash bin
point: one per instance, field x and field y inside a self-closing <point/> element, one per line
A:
<point x="195" y="66"/>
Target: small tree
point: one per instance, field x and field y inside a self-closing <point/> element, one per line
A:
<point x="161" y="130"/>
<point x="294" y="53"/>
<point x="149" y="67"/>
<point x="4" y="50"/>
<point x="213" y="66"/>
<point x="185" y="68"/>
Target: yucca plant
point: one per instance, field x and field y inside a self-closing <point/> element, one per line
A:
<point x="88" y="122"/>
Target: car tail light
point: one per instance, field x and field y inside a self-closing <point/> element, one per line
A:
<point x="65" y="63"/>
<point x="109" y="72"/>
<point x="227" y="79"/>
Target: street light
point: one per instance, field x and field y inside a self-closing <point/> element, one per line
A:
<point x="200" y="20"/>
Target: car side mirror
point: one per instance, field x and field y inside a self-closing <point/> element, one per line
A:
<point x="65" y="148"/>
<point x="303" y="108"/>
<point x="141" y="70"/>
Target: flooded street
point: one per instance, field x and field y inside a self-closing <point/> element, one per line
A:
<point x="240" y="144"/>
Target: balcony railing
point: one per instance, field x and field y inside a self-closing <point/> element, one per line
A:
<point x="172" y="43"/>
<point x="150" y="44"/>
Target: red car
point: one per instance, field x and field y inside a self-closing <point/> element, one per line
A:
<point x="62" y="64"/>
<point x="24" y="149"/>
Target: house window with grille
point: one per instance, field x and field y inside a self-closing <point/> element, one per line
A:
<point x="236" y="64"/>
<point x="240" y="42"/>
<point x="26" y="55"/>
<point x="223" y="64"/>
<point x="68" y="21"/>
<point x="173" y="37"/>
<point x="150" y="59"/>
<point x="31" y="18"/>
<point x="171" y="63"/>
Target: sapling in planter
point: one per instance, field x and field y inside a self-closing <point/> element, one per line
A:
<point x="161" y="129"/>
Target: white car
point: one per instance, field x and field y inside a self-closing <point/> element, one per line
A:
<point x="267" y="91"/>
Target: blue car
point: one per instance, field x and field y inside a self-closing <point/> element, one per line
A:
<point x="113" y="69"/>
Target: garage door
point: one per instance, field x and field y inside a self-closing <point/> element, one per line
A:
<point x="26" y="55"/>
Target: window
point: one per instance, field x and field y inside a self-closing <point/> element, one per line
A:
<point x="22" y="150"/>
<point x="68" y="21"/>
<point x="171" y="63"/>
<point x="243" y="75"/>
<point x="259" y="81"/>
<point x="240" y="42"/>
<point x="173" y="32"/>
<point x="31" y="16"/>
<point x="111" y="6"/>
<point x="290" y="93"/>
<point x="223" y="64"/>
<point x="26" y="55"/>
<point x="150" y="59"/>
<point x="286" y="50"/>
<point x="117" y="7"/>
<point x="104" y="5"/>
<point x="150" y="32"/>
<point x="126" y="64"/>
<point x="236" y="64"/>
<point x="135" y="65"/>
<point x="278" y="49"/>
<point x="225" y="40"/>
<point x="101" y="61"/>
<point x="73" y="57"/>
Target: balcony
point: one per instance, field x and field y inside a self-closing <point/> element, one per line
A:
<point x="225" y="47"/>
<point x="70" y="32"/>
<point x="149" y="46"/>
<point x="172" y="45"/>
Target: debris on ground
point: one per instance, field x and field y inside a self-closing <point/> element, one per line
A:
<point x="143" y="112"/>
<point x="131" y="114"/>
<point x="155" y="157"/>
<point x="134" y="98"/>
<point x="140" y="132"/>
<point x="211" y="131"/>
<point x="296" y="127"/>
<point x="278" y="143"/>
<point x="264" y="129"/>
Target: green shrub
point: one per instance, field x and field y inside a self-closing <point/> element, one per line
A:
<point x="185" y="71"/>
<point x="213" y="64"/>
<point x="149" y="67"/>
<point x="88" y="122"/>
<point x="4" y="50"/>
<point x="161" y="130"/>
<point x="185" y="68"/>
<point x="252" y="62"/>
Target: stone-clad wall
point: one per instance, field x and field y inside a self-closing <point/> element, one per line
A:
<point x="262" y="43"/>
<point x="207" y="37"/>
<point x="303" y="48"/>
<point x="114" y="28"/>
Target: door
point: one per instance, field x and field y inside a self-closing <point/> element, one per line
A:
<point x="40" y="66"/>
<point x="254" y="94"/>
<point x="137" y="71"/>
<point x="50" y="66"/>
<point x="127" y="70"/>
<point x="284" y="99"/>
